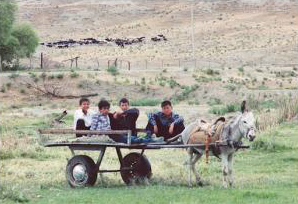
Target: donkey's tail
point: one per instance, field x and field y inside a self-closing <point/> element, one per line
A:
<point x="173" y="139"/>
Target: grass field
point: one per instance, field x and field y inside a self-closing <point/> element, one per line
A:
<point x="266" y="173"/>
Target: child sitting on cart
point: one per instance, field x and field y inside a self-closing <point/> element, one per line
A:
<point x="126" y="117"/>
<point x="165" y="123"/>
<point x="104" y="120"/>
<point x="83" y="116"/>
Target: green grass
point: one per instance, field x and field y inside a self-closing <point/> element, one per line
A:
<point x="169" y="194"/>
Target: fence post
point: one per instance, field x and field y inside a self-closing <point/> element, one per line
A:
<point x="195" y="63"/>
<point x="179" y="62"/>
<point x="41" y="60"/>
<point x="128" y="65"/>
<point x="146" y="64"/>
<point x="0" y="64"/>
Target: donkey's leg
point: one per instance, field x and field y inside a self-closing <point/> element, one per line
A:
<point x="225" y="170"/>
<point x="230" y="170"/>
<point x="194" y="161"/>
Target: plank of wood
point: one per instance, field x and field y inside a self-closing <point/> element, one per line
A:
<point x="85" y="132"/>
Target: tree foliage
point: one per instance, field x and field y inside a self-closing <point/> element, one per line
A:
<point x="16" y="40"/>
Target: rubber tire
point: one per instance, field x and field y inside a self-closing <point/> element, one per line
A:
<point x="141" y="168"/>
<point x="90" y="169"/>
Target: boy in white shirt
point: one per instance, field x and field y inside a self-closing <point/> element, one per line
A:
<point x="83" y="116"/>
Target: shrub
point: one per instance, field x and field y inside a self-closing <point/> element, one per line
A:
<point x="268" y="144"/>
<point x="143" y="88"/>
<point x="3" y="90"/>
<point x="43" y="76"/>
<point x="143" y="81"/>
<point x="223" y="109"/>
<point x="60" y="76"/>
<point x="218" y="110"/>
<point x="8" y="85"/>
<point x="211" y="72"/>
<point x="113" y="70"/>
<point x="172" y="83"/>
<point x="241" y="69"/>
<point x="145" y="102"/>
<point x="14" y="75"/>
<point x="186" y="90"/>
<point x="74" y="74"/>
<point x="263" y="87"/>
<point x="231" y="87"/>
<point x="214" y="101"/>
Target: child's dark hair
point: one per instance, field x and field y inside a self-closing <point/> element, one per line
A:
<point x="84" y="100"/>
<point x="103" y="104"/>
<point x="123" y="100"/>
<point x="165" y="103"/>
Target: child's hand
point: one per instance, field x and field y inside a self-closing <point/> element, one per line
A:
<point x="171" y="128"/>
<point x="155" y="129"/>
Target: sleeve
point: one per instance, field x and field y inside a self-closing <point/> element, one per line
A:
<point x="178" y="119"/>
<point x="132" y="111"/>
<point x="113" y="122"/>
<point x="132" y="114"/>
<point x="151" y="117"/>
<point x="94" y="122"/>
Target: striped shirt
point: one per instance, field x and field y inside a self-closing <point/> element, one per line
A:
<point x="100" y="122"/>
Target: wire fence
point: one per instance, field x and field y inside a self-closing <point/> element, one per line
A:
<point x="44" y="61"/>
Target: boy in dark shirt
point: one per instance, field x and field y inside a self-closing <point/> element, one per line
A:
<point x="165" y="123"/>
<point x="126" y="117"/>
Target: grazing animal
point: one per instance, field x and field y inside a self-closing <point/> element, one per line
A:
<point x="242" y="125"/>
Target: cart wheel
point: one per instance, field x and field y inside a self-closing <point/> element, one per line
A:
<point x="135" y="168"/>
<point x="81" y="171"/>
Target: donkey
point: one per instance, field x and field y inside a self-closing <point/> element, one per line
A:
<point x="242" y="125"/>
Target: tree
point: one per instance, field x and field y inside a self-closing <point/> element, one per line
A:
<point x="7" y="16"/>
<point x="16" y="41"/>
<point x="27" y="38"/>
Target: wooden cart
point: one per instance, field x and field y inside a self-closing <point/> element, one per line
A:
<point x="82" y="170"/>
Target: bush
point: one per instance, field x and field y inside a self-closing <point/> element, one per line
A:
<point x="265" y="144"/>
<point x="218" y="110"/>
<point x="211" y="72"/>
<point x="214" y="101"/>
<point x="145" y="102"/>
<point x="223" y="109"/>
<point x="3" y="90"/>
<point x="186" y="90"/>
<point x="74" y="74"/>
<point x="13" y="75"/>
<point x="60" y="76"/>
<point x="113" y="70"/>
<point x="231" y="87"/>
<point x="172" y="83"/>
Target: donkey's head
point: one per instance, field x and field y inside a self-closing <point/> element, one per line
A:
<point x="247" y="123"/>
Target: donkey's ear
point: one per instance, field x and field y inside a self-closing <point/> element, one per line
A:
<point x="243" y="106"/>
